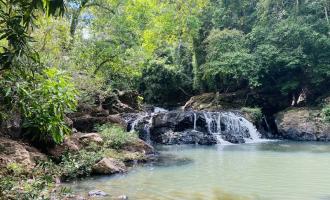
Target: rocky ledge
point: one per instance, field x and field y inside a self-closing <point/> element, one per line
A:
<point x="193" y="127"/>
<point x="303" y="124"/>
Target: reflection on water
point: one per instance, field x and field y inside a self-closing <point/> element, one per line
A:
<point x="277" y="170"/>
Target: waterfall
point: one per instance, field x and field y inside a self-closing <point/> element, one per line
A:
<point x="225" y="127"/>
<point x="195" y="121"/>
<point x="234" y="123"/>
<point x="213" y="121"/>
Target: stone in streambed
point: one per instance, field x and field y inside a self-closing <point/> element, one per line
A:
<point x="122" y="197"/>
<point x="109" y="166"/>
<point x="97" y="193"/>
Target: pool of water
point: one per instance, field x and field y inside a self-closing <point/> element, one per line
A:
<point x="266" y="171"/>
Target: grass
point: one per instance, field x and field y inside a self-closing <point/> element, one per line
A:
<point x="254" y="113"/>
<point x="115" y="136"/>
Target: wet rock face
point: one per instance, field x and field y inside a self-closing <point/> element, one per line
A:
<point x="303" y="124"/>
<point x="188" y="127"/>
<point x="185" y="137"/>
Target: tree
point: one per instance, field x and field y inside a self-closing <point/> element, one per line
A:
<point x="16" y="19"/>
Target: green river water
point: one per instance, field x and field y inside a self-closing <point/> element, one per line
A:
<point x="266" y="171"/>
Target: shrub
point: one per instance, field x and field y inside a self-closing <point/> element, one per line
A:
<point x="255" y="113"/>
<point x="326" y="113"/>
<point x="43" y="100"/>
<point x="115" y="136"/>
<point x="161" y="84"/>
<point x="15" y="183"/>
<point x="78" y="165"/>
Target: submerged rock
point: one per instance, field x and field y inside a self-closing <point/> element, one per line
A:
<point x="168" y="160"/>
<point x="97" y="193"/>
<point x="109" y="166"/>
<point x="303" y="124"/>
<point x="122" y="197"/>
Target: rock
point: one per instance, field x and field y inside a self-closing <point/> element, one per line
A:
<point x="87" y="123"/>
<point x="74" y="143"/>
<point x="121" y="102"/>
<point x="186" y="137"/>
<point x="109" y="166"/>
<point x="70" y="144"/>
<point x="122" y="197"/>
<point x="130" y="98"/>
<point x="72" y="197"/>
<point x="176" y="120"/>
<point x="12" y="125"/>
<point x="217" y="101"/>
<point x="177" y="127"/>
<point x="90" y="138"/>
<point x="303" y="124"/>
<point x="139" y="146"/>
<point x="16" y="152"/>
<point x="97" y="193"/>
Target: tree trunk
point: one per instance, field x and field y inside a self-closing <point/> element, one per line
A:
<point x="326" y="13"/>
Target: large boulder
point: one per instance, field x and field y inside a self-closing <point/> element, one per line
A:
<point x="185" y="137"/>
<point x="11" y="125"/>
<point x="20" y="153"/>
<point x="74" y="143"/>
<point x="109" y="166"/>
<point x="87" y="123"/>
<point x="219" y="101"/>
<point x="122" y="102"/>
<point x="303" y="124"/>
<point x="139" y="146"/>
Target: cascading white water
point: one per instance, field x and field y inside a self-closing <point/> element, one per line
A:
<point x="213" y="121"/>
<point x="195" y="121"/>
<point x="147" y="125"/>
<point x="234" y="124"/>
<point x="222" y="125"/>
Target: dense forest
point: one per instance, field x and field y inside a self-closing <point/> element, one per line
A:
<point x="56" y="54"/>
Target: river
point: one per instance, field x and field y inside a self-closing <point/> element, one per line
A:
<point x="266" y="171"/>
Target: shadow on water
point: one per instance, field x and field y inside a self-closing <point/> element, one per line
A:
<point x="170" y="160"/>
<point x="295" y="147"/>
<point x="217" y="194"/>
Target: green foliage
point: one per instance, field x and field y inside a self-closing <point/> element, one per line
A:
<point x="16" y="18"/>
<point x="326" y="113"/>
<point x="78" y="165"/>
<point x="55" y="96"/>
<point x="255" y="113"/>
<point x="115" y="136"/>
<point x="16" y="183"/>
<point x="267" y="46"/>
<point x="43" y="100"/>
<point x="162" y="85"/>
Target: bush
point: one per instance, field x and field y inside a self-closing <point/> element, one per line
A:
<point x="43" y="100"/>
<point x="161" y="84"/>
<point x="254" y="113"/>
<point x="326" y="113"/>
<point x="78" y="165"/>
<point x="115" y="136"/>
<point x="17" y="183"/>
